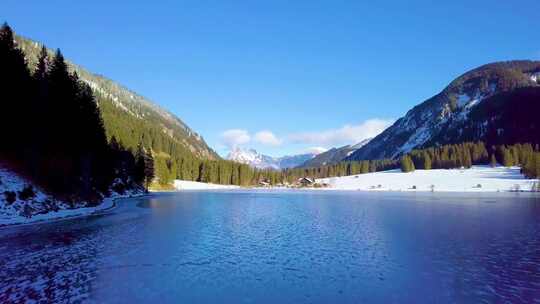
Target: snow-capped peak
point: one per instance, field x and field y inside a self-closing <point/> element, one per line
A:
<point x="245" y="156"/>
<point x="257" y="160"/>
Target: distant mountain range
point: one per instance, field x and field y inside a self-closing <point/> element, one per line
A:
<point x="497" y="103"/>
<point x="254" y="159"/>
<point x="334" y="155"/>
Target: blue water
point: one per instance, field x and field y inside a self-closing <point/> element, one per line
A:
<point x="283" y="247"/>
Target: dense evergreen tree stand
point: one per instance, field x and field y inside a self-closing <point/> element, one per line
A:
<point x="406" y="164"/>
<point x="53" y="130"/>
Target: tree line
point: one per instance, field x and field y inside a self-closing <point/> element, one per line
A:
<point x="451" y="156"/>
<point x="467" y="154"/>
<point x="53" y="129"/>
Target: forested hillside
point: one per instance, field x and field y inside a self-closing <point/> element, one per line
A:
<point x="53" y="138"/>
<point x="53" y="132"/>
<point x="129" y="117"/>
<point x="134" y="120"/>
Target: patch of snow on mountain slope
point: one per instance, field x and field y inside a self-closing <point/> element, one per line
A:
<point x="419" y="137"/>
<point x="361" y="144"/>
<point x="358" y="146"/>
<point x="475" y="179"/>
<point x="424" y="130"/>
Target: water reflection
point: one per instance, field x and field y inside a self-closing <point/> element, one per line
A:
<point x="287" y="247"/>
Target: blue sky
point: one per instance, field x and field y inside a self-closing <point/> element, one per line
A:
<point x="284" y="76"/>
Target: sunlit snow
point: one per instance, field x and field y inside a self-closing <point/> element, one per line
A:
<point x="477" y="179"/>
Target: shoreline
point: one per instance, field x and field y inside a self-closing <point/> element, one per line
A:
<point x="105" y="210"/>
<point x="114" y="205"/>
<point x="380" y="190"/>
<point x="419" y="190"/>
<point x="337" y="189"/>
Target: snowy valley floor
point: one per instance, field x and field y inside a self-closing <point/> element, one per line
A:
<point x="189" y="185"/>
<point x="475" y="179"/>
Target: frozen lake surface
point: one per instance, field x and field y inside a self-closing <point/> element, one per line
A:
<point x="283" y="247"/>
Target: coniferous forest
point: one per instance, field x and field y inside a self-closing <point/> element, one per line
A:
<point x="53" y="130"/>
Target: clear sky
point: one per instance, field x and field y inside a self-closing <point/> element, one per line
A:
<point x="306" y="73"/>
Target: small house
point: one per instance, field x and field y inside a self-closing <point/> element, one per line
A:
<point x="263" y="182"/>
<point x="306" y="181"/>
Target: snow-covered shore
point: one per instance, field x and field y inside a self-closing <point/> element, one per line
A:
<point x="190" y="185"/>
<point x="475" y="179"/>
<point x="15" y="209"/>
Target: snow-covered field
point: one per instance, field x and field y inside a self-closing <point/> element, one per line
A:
<point x="40" y="206"/>
<point x="189" y="185"/>
<point x="476" y="179"/>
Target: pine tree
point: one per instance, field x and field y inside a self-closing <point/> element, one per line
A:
<point x="42" y="67"/>
<point x="39" y="109"/>
<point x="508" y="158"/>
<point x="372" y="166"/>
<point x="427" y="161"/>
<point x="467" y="160"/>
<point x="407" y="164"/>
<point x="15" y="82"/>
<point x="149" y="173"/>
<point x="364" y="167"/>
<point x="6" y="36"/>
<point x="61" y="103"/>
<point x="140" y="165"/>
<point x="493" y="161"/>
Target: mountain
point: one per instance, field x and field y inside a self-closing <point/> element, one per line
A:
<point x="130" y="117"/>
<point x="256" y="160"/>
<point x="334" y="155"/>
<point x="496" y="103"/>
<point x="293" y="161"/>
<point x="253" y="158"/>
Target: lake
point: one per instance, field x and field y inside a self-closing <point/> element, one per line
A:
<point x="283" y="247"/>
